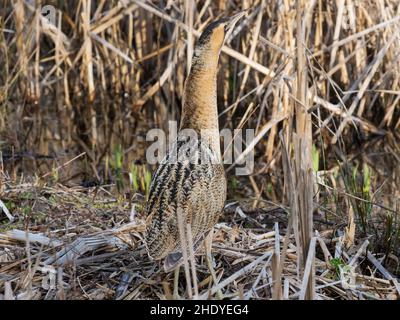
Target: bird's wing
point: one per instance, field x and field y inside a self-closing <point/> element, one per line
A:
<point x="191" y="188"/>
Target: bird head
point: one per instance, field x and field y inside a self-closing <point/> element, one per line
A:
<point x="214" y="35"/>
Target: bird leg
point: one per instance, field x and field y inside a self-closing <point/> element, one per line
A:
<point x="210" y="261"/>
<point x="176" y="284"/>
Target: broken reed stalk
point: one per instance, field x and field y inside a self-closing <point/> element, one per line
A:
<point x="308" y="272"/>
<point x="192" y="259"/>
<point x="276" y="263"/>
<point x="184" y="247"/>
<point x="290" y="192"/>
<point x="36" y="71"/>
<point x="302" y="157"/>
<point x="189" y="12"/>
<point x="88" y="62"/>
<point x="245" y="270"/>
<point x="19" y="12"/>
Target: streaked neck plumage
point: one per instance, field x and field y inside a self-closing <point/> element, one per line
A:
<point x="200" y="110"/>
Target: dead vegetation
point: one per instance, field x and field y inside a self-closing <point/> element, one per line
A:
<point x="318" y="81"/>
<point x="97" y="253"/>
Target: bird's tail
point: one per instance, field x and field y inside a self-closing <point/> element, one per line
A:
<point x="175" y="259"/>
<point x="172" y="261"/>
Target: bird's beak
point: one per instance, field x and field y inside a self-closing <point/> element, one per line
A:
<point x="232" y="22"/>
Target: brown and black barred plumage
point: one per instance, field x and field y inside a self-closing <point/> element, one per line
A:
<point x="191" y="183"/>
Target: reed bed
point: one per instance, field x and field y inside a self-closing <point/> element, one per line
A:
<point x="317" y="80"/>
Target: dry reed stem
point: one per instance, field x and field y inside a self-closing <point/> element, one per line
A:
<point x="236" y="275"/>
<point x="184" y="248"/>
<point x="276" y="264"/>
<point x="308" y="270"/>
<point x="302" y="141"/>
<point x="192" y="259"/>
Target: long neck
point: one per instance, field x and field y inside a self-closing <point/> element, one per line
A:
<point x="200" y="110"/>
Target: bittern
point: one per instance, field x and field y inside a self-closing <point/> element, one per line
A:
<point x="191" y="187"/>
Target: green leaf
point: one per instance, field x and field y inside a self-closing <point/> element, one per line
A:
<point x="315" y="158"/>
<point x="366" y="179"/>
